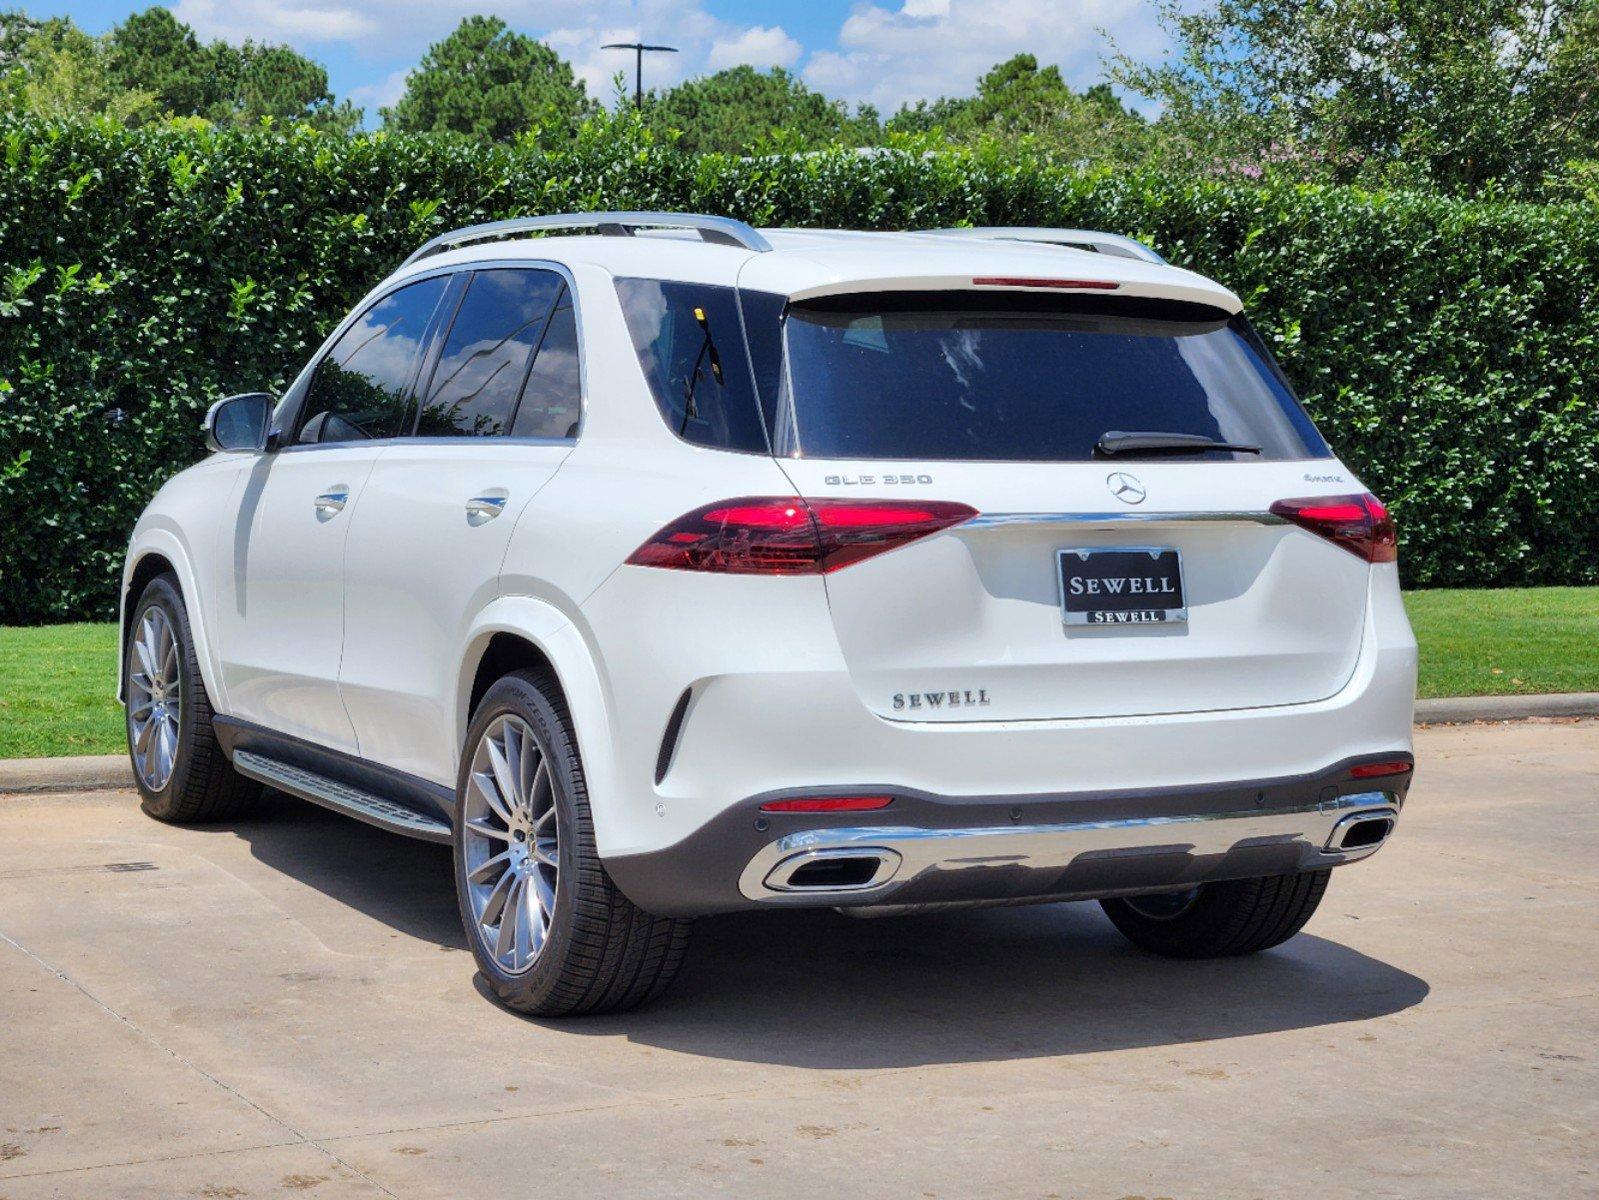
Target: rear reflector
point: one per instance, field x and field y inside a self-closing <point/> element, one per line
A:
<point x="1360" y="524"/>
<point x="1377" y="770"/>
<point x="828" y="804"/>
<point x="777" y="535"/>
<point x="1096" y="285"/>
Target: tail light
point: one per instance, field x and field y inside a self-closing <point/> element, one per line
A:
<point x="775" y="535"/>
<point x="1360" y="524"/>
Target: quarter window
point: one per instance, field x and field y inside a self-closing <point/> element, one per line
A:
<point x="690" y="344"/>
<point x="486" y="356"/>
<point x="362" y="387"/>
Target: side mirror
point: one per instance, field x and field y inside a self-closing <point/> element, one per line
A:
<point x="239" y="422"/>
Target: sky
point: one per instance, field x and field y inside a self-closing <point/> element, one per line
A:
<point x="883" y="52"/>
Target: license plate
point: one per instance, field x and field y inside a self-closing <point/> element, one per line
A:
<point x="1124" y="585"/>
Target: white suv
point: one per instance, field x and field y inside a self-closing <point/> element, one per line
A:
<point x="670" y="567"/>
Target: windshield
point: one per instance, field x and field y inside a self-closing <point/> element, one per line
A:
<point x="1020" y="377"/>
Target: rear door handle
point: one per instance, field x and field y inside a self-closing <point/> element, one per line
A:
<point x="331" y="503"/>
<point x="480" y="509"/>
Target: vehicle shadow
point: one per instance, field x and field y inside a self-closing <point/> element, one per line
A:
<point x="822" y="990"/>
<point x="819" y="989"/>
<point x="404" y="883"/>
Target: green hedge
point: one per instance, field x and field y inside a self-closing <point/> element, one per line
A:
<point x="1449" y="349"/>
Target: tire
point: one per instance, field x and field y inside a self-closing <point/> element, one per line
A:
<point x="200" y="784"/>
<point x="598" y="951"/>
<point x="1218" y="920"/>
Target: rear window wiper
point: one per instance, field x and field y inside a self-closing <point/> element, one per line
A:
<point x="1115" y="442"/>
<point x="708" y="346"/>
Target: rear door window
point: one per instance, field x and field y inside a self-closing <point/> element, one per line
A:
<point x="362" y="388"/>
<point x="552" y="401"/>
<point x="1020" y="377"/>
<point x="488" y="352"/>
<point x="690" y="344"/>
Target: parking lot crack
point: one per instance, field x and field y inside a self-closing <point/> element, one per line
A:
<point x="144" y="1035"/>
<point x="164" y="1158"/>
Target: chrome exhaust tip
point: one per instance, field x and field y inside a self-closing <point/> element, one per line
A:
<point x="852" y="870"/>
<point x="1362" y="831"/>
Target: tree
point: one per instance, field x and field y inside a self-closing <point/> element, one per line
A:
<point x="1020" y="99"/>
<point x="261" y="80"/>
<point x="154" y="52"/>
<point x="153" y="65"/>
<point x="53" y="69"/>
<point x="1444" y="93"/>
<point x="486" y="81"/>
<point x="734" y="109"/>
<point x="16" y="27"/>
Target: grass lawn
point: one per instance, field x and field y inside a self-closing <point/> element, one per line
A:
<point x="58" y="682"/>
<point x="1512" y="640"/>
<point x="58" y="687"/>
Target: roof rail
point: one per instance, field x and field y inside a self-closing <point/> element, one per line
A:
<point x="724" y="231"/>
<point x="1083" y="239"/>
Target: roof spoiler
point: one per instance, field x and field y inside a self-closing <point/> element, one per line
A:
<point x="1093" y="241"/>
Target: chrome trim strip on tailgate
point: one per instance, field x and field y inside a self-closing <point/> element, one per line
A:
<point x="985" y="520"/>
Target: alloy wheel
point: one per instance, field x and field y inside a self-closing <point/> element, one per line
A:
<point x="155" y="699"/>
<point x="511" y="838"/>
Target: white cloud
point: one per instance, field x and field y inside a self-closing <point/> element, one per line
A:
<point x="383" y="94"/>
<point x="263" y="21"/>
<point x="886" y="51"/>
<point x="929" y="48"/>
<point x="758" y="46"/>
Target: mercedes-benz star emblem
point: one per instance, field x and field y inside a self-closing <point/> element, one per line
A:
<point x="1125" y="487"/>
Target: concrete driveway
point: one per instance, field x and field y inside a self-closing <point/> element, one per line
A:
<point x="285" y="1007"/>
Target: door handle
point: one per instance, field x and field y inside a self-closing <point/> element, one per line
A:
<point x="330" y="504"/>
<point x="484" y="508"/>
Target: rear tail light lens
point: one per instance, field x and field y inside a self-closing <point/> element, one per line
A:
<point x="1360" y="524"/>
<point x="828" y="804"/>
<point x="774" y="535"/>
<point x="1378" y="769"/>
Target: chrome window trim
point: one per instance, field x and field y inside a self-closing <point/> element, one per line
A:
<point x="496" y="440"/>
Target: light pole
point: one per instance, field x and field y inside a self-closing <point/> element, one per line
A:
<point x="638" y="49"/>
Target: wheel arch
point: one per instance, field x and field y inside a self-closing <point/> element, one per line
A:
<point x="525" y="633"/>
<point x="156" y="552"/>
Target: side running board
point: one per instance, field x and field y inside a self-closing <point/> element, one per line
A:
<point x="340" y="797"/>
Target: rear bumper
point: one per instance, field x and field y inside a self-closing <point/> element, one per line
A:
<point x="929" y="849"/>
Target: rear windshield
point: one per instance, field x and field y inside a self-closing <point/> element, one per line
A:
<point x="1021" y="377"/>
